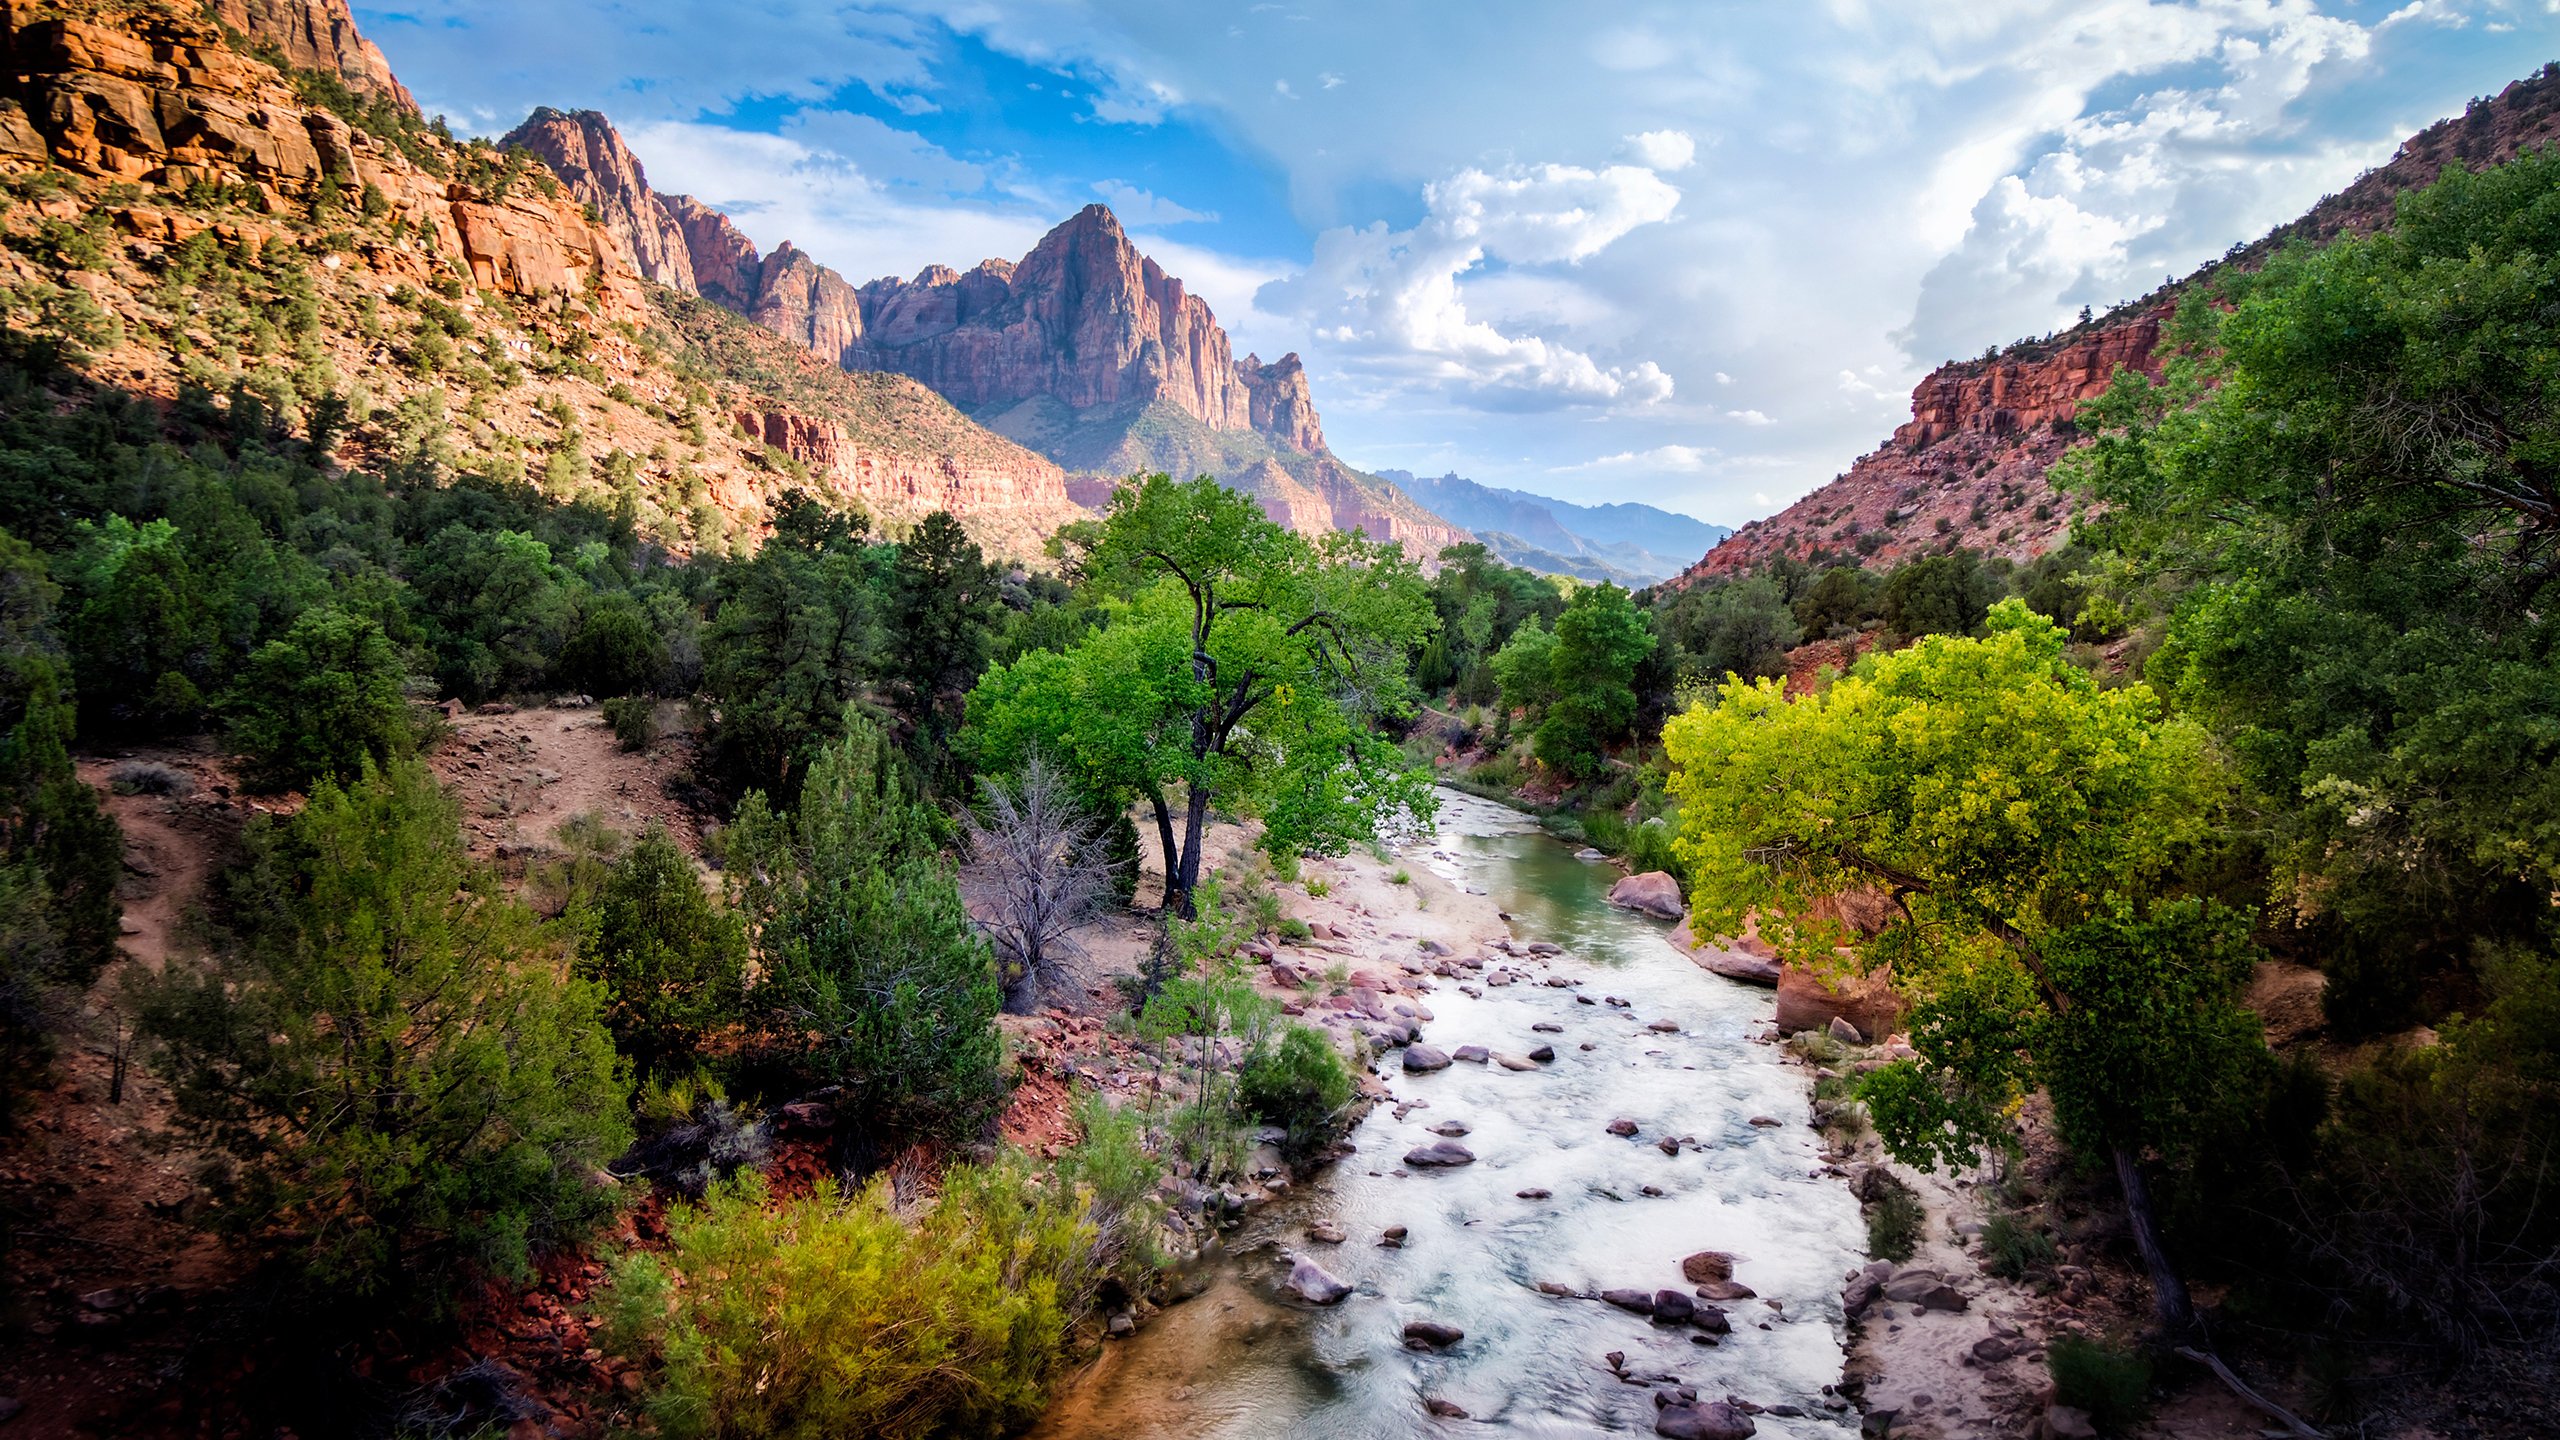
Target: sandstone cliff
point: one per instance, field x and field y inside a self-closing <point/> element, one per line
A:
<point x="170" y="141"/>
<point x="588" y="155"/>
<point x="1969" y="467"/>
<point x="317" y="35"/>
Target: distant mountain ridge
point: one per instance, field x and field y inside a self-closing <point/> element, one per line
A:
<point x="1084" y="350"/>
<point x="1622" y="542"/>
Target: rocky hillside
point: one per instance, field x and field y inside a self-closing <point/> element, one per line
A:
<point x="1969" y="467"/>
<point x="194" y="213"/>
<point x="1084" y="350"/>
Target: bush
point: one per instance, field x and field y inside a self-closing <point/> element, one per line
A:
<point x="324" y="700"/>
<point x="634" y="720"/>
<point x="831" y="1315"/>
<point x="1894" y="1218"/>
<point x="1118" y="1178"/>
<point x="372" y="958"/>
<point x="2111" y="1383"/>
<point x="142" y="777"/>
<point x="1300" y="1084"/>
<point x="670" y="962"/>
<point x="2011" y="1247"/>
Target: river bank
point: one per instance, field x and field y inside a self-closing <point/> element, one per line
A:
<point x="1660" y="1124"/>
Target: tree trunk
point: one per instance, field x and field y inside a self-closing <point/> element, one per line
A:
<point x="1195" y="823"/>
<point x="2170" y="1303"/>
<point x="1164" y="837"/>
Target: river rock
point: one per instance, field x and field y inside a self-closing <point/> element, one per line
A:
<point x="1666" y="1027"/>
<point x="1639" y="1301"/>
<point x="1392" y="1238"/>
<point x="1726" y="1290"/>
<point x="1739" y="965"/>
<point x="1844" y="1032"/>
<point x="1589" y="856"/>
<point x="1548" y="1027"/>
<point x="1668" y="1144"/>
<point x="1766" y="1122"/>
<point x="1471" y="1054"/>
<point x="1544" y="1054"/>
<point x="1450" y="1128"/>
<point x="1439" y="1154"/>
<point x="1536" y="1193"/>
<point x="1542" y="947"/>
<point x="1714" y="1421"/>
<point x="1314" y="1284"/>
<point x="1622" y="1126"/>
<point x="1672" y="1307"/>
<point x="1121" y="1327"/>
<point x="1806" y="1001"/>
<point x="1445" y="1409"/>
<point x="1707" y="1265"/>
<point x="1423" y="1058"/>
<point x="1712" y="1319"/>
<point x="1513" y="1062"/>
<point x="1325" y="1232"/>
<point x="1652" y="893"/>
<point x="1431" y="1335"/>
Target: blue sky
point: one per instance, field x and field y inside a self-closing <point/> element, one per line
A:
<point x="1689" y="253"/>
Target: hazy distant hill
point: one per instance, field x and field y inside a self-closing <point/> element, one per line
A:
<point x="1627" y="543"/>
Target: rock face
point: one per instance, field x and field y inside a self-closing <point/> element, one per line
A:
<point x="1806" y="1001"/>
<point x="1084" y="320"/>
<point x="807" y="304"/>
<point x="317" y="35"/>
<point x="1278" y="403"/>
<point x="722" y="260"/>
<point x="588" y="155"/>
<point x="163" y="99"/>
<point x="1983" y="432"/>
<point x="1652" y="893"/>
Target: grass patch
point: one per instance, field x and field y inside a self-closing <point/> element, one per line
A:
<point x="2112" y="1383"/>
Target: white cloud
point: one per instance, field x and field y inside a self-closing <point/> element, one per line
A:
<point x="1395" y="296"/>
<point x="1663" y="150"/>
<point x="1688" y="459"/>
<point x="1135" y="206"/>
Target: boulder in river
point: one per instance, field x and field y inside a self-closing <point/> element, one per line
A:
<point x="1471" y="1054"/>
<point x="1639" y="1301"/>
<point x="1653" y="893"/>
<point x="1431" y="1334"/>
<point x="1445" y="1409"/>
<point x="1672" y="1307"/>
<point x="1439" y="1155"/>
<point x="1514" y="1062"/>
<point x="1806" y="1001"/>
<point x="1421" y="1058"/>
<point x="1739" y="965"/>
<point x="1844" y="1032"/>
<point x="1314" y="1284"/>
<point x="1544" y="1054"/>
<point x="1714" y="1421"/>
<point x="1726" y="1290"/>
<point x="1623" y="1125"/>
<point x="1325" y="1232"/>
<point x="1450" y="1128"/>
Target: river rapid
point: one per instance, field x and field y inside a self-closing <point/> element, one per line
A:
<point x="1240" y="1362"/>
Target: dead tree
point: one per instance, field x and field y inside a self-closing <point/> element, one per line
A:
<point x="1037" y="861"/>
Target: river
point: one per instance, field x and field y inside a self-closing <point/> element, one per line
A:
<point x="1238" y="1363"/>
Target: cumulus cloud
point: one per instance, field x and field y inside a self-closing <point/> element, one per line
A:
<point x="1135" y="206"/>
<point x="1394" y="299"/>
<point x="1664" y="150"/>
<point x="2112" y="208"/>
<point x="1686" y="459"/>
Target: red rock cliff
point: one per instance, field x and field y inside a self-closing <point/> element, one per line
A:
<point x="1279" y="403"/>
<point x="723" y="260"/>
<point x="317" y="35"/>
<point x="1084" y="319"/>
<point x="588" y="155"/>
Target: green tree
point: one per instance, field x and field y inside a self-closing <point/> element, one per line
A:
<point x="1244" y="666"/>
<point x="671" y="963"/>
<point x="322" y="700"/>
<point x="60" y="856"/>
<point x="1600" y="639"/>
<point x="2343" y="496"/>
<point x="1524" y="669"/>
<point x="619" y="648"/>
<point x="2031" y="829"/>
<point x="872" y="976"/>
<point x="1736" y="627"/>
<point x="141" y="632"/>
<point x="390" y="1050"/>
<point x="1939" y="595"/>
<point x="794" y="638"/>
<point x="944" y="614"/>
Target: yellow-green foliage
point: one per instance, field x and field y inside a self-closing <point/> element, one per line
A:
<point x="836" y="1315"/>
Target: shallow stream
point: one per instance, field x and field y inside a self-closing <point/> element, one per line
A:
<point x="1239" y="1363"/>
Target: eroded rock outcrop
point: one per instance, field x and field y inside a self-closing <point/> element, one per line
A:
<point x="317" y="35"/>
<point x="588" y="155"/>
<point x="807" y="304"/>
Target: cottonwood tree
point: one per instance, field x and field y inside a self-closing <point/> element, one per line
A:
<point x="1036" y="856"/>
<point x="1243" y="665"/>
<point x="2030" y="829"/>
